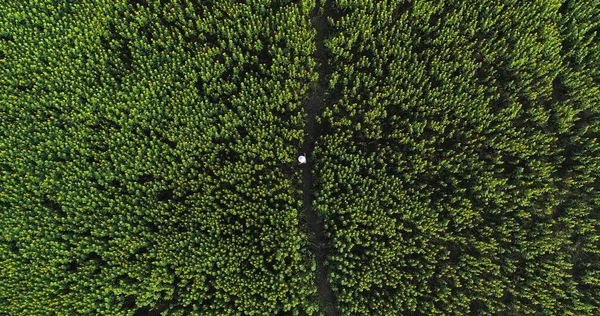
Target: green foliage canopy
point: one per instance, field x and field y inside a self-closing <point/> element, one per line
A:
<point x="458" y="169"/>
<point x="147" y="152"/>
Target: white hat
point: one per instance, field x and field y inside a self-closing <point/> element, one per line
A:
<point x="302" y="159"/>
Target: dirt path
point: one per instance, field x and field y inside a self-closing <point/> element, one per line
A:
<point x="313" y="106"/>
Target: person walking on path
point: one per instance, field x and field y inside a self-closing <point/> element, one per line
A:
<point x="302" y="159"/>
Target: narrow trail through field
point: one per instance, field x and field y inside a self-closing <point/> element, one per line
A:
<point x="313" y="106"/>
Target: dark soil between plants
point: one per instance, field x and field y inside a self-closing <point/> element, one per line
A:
<point x="313" y="106"/>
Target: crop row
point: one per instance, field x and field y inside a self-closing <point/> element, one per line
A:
<point x="147" y="157"/>
<point x="458" y="170"/>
